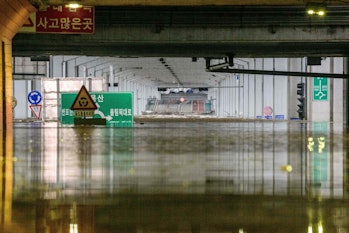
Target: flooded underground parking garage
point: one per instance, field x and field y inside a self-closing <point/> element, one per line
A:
<point x="271" y="75"/>
<point x="248" y="176"/>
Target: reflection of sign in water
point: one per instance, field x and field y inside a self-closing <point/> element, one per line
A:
<point x="116" y="108"/>
<point x="320" y="89"/>
<point x="320" y="155"/>
<point x="317" y="144"/>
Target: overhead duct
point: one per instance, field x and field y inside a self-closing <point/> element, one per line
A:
<point x="314" y="61"/>
<point x="228" y="61"/>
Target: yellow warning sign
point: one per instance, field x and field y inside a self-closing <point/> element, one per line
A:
<point x="83" y="101"/>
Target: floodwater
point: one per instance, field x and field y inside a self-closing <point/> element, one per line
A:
<point x="236" y="177"/>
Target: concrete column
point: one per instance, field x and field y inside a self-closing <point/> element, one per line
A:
<point x="10" y="23"/>
<point x="6" y="135"/>
<point x="338" y="93"/>
<point x="319" y="110"/>
<point x="268" y="84"/>
<point x="345" y="93"/>
<point x="7" y="32"/>
<point x="294" y="64"/>
<point x="259" y="89"/>
<point x="111" y="78"/>
<point x="6" y="85"/>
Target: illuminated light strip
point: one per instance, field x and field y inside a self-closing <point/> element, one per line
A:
<point x="74" y="5"/>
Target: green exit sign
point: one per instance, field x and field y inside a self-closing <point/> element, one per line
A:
<point x="115" y="108"/>
<point x="320" y="89"/>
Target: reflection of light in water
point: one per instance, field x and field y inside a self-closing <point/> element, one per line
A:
<point x="286" y="168"/>
<point x="73" y="228"/>
<point x="310" y="144"/>
<point x="320" y="228"/>
<point x="320" y="143"/>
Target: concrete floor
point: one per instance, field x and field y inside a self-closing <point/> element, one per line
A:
<point x="256" y="176"/>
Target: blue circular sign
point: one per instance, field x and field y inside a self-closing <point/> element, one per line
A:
<point x="34" y="97"/>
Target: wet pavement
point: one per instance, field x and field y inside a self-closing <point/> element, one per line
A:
<point x="239" y="177"/>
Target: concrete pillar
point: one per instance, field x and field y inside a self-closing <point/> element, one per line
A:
<point x="320" y="110"/>
<point x="338" y="91"/>
<point x="6" y="85"/>
<point x="10" y="23"/>
<point x="9" y="26"/>
<point x="6" y="135"/>
<point x="346" y="95"/>
<point x="259" y="89"/>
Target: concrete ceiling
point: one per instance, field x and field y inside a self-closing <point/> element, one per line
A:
<point x="163" y="71"/>
<point x="155" y="71"/>
<point x="187" y="2"/>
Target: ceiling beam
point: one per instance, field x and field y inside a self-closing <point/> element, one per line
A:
<point x="280" y="73"/>
<point x="187" y="2"/>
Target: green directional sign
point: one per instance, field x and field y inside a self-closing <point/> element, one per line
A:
<point x="320" y="89"/>
<point x="115" y="108"/>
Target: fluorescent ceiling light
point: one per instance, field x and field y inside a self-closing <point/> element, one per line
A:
<point x="316" y="9"/>
<point x="74" y="5"/>
<point x="310" y="12"/>
<point x="321" y="12"/>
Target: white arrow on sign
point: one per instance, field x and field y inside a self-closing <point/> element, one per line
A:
<point x="108" y="118"/>
<point x="320" y="93"/>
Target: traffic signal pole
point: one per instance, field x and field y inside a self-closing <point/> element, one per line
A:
<point x="301" y="96"/>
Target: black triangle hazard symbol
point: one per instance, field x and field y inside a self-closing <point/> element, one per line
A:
<point x="29" y="23"/>
<point x="83" y="101"/>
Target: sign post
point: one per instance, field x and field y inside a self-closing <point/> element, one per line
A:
<point x="35" y="98"/>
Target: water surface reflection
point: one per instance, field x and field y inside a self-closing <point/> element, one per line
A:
<point x="177" y="177"/>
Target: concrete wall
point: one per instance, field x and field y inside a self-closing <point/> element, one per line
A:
<point x="332" y="108"/>
<point x="247" y="96"/>
<point x="235" y="95"/>
<point x="28" y="76"/>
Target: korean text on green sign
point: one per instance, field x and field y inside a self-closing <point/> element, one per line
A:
<point x="116" y="108"/>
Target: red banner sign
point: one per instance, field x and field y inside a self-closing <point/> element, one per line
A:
<point x="61" y="19"/>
